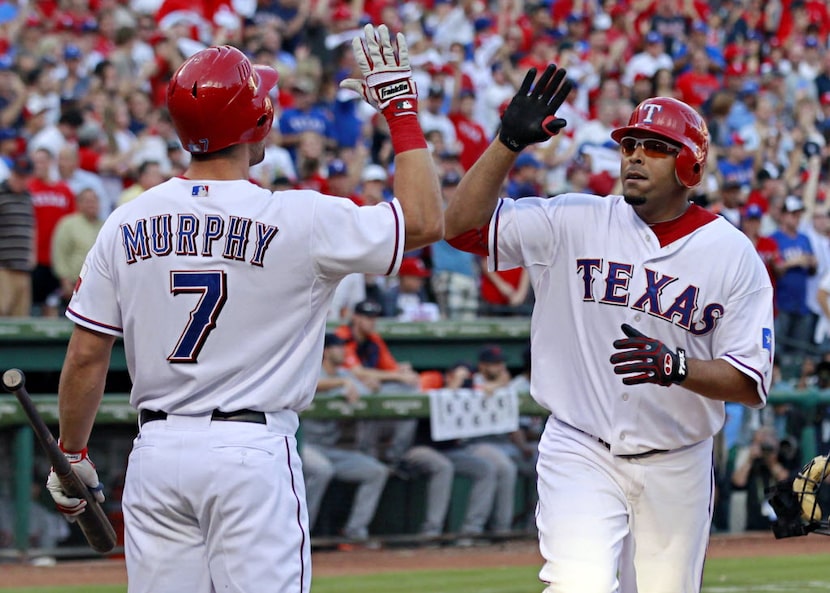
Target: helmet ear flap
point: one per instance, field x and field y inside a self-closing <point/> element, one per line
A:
<point x="689" y="171"/>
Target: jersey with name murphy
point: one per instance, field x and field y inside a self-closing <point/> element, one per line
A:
<point x="221" y="289"/>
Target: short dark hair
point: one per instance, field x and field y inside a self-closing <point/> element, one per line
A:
<point x="144" y="165"/>
<point x="72" y="117"/>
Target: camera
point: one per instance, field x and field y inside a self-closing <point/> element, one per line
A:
<point x="767" y="448"/>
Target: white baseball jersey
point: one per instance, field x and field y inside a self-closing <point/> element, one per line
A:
<point x="237" y="281"/>
<point x="594" y="265"/>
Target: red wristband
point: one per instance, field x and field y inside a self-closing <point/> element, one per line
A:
<point x="73" y="456"/>
<point x="405" y="131"/>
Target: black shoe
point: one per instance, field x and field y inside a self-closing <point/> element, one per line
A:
<point x="402" y="470"/>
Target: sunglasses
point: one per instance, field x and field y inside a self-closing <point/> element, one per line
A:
<point x="653" y="147"/>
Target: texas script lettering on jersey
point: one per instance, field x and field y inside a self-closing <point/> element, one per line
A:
<point x="155" y="237"/>
<point x="616" y="290"/>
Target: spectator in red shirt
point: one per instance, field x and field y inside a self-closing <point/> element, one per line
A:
<point x="52" y="200"/>
<point x="470" y="134"/>
<point x="167" y="57"/>
<point x="504" y="292"/>
<point x="698" y="83"/>
<point x="766" y="247"/>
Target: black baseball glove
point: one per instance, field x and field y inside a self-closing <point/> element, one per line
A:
<point x="531" y="115"/>
<point x="648" y="359"/>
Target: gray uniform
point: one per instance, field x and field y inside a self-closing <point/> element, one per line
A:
<point x="325" y="457"/>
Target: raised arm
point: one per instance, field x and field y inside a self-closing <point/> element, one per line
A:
<point x="530" y="118"/>
<point x="387" y="84"/>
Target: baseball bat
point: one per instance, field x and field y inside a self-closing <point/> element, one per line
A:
<point x="93" y="522"/>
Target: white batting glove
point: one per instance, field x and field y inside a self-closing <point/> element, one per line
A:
<point x="82" y="465"/>
<point x="387" y="79"/>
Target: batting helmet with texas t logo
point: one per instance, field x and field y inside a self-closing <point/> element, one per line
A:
<point x="672" y="119"/>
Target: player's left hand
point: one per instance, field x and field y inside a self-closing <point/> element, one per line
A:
<point x="531" y="115"/>
<point x="82" y="465"/>
<point x="387" y="82"/>
<point x="647" y="359"/>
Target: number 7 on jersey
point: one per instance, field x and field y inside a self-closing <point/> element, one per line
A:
<point x="212" y="285"/>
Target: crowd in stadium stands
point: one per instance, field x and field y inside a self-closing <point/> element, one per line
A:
<point x="83" y="129"/>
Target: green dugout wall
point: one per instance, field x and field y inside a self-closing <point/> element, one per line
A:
<point x="37" y="346"/>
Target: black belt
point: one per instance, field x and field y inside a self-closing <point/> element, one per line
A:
<point x="607" y="445"/>
<point x="145" y="416"/>
<point x="648" y="453"/>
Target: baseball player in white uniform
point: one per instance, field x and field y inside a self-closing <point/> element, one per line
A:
<point x="220" y="290"/>
<point x="650" y="313"/>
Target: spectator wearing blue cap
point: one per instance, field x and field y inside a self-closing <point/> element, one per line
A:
<point x="74" y="80"/>
<point x="732" y="200"/>
<point x="652" y="57"/>
<point x="342" y="181"/>
<point x="794" y="323"/>
<point x="766" y="246"/>
<point x="699" y="38"/>
<point x="345" y="107"/>
<point x="525" y="180"/>
<point x="304" y="116"/>
<point x="736" y="163"/>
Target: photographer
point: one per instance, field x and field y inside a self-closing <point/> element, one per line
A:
<point x="758" y="466"/>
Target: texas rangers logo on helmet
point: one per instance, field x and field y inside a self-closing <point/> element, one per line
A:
<point x="650" y="109"/>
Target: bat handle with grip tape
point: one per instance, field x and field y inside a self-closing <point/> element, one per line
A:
<point x="93" y="522"/>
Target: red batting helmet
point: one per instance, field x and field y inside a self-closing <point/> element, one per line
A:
<point x="217" y="98"/>
<point x="674" y="120"/>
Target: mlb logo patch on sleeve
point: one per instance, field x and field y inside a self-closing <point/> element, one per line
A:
<point x="199" y="191"/>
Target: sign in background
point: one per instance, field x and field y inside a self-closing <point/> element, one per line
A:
<point x="465" y="413"/>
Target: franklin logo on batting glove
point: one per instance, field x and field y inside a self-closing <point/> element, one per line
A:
<point x="395" y="90"/>
<point x="388" y="86"/>
<point x="648" y="359"/>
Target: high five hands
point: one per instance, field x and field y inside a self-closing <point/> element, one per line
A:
<point x="531" y="115"/>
